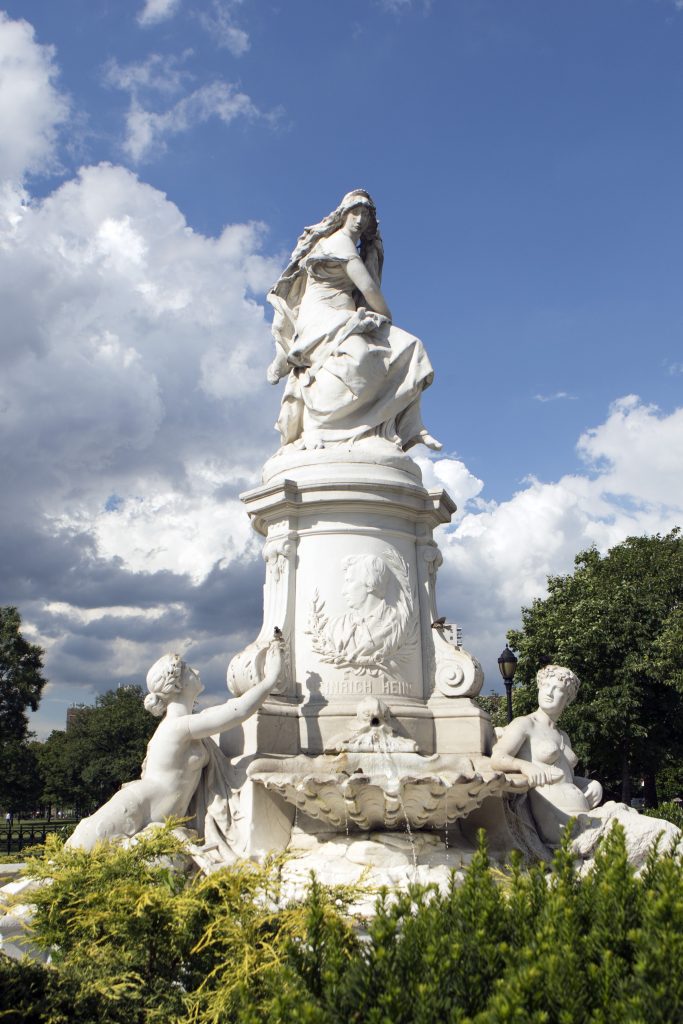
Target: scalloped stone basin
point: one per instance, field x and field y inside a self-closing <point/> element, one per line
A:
<point x="365" y="791"/>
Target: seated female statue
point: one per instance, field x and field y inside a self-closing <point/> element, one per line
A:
<point x="351" y="373"/>
<point x="534" y="746"/>
<point x="179" y="753"/>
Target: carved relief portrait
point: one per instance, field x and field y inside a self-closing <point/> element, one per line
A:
<point x="379" y="629"/>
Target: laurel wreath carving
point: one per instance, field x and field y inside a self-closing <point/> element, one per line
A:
<point x="335" y="639"/>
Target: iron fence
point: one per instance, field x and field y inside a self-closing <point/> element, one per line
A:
<point x="15" y="838"/>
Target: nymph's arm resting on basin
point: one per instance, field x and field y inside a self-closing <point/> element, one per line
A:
<point x="503" y="757"/>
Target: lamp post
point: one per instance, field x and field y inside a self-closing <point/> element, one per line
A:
<point x="507" y="663"/>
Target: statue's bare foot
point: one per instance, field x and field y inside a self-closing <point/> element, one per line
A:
<point x="431" y="442"/>
<point x="313" y="440"/>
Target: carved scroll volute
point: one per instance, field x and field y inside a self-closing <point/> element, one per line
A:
<point x="246" y="668"/>
<point x="457" y="673"/>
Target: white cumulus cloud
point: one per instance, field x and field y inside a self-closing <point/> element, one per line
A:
<point x="452" y="475"/>
<point x="31" y="106"/>
<point x="156" y="11"/>
<point x="497" y="558"/>
<point x="147" y="130"/>
<point x="219" y="22"/>
<point x="134" y="412"/>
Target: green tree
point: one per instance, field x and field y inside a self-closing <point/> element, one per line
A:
<point x="104" y="748"/>
<point x="494" y="704"/>
<point x="60" y="774"/>
<point x="20" y="781"/>
<point x="617" y="622"/>
<point x="21" y="679"/>
<point x="21" y="684"/>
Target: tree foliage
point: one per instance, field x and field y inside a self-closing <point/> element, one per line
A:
<point x="85" y="765"/>
<point x="133" y="942"/>
<point x="21" y="679"/>
<point x="495" y="705"/>
<point x="61" y="784"/>
<point x="20" y="781"/>
<point x="617" y="621"/>
<point x="21" y="685"/>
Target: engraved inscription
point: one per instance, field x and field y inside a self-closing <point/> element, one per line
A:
<point x="354" y="686"/>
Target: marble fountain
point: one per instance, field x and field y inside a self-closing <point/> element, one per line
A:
<point x="352" y="738"/>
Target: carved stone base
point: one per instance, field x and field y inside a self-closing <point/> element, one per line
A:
<point x="321" y="724"/>
<point x="372" y="672"/>
<point x="351" y="569"/>
<point x="460" y="726"/>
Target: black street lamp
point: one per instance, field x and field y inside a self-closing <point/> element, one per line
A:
<point x="507" y="663"/>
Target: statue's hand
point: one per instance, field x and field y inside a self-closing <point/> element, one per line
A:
<point x="363" y="321"/>
<point x="275" y="659"/>
<point x="272" y="373"/>
<point x="279" y="367"/>
<point x="593" y="793"/>
<point x="542" y="774"/>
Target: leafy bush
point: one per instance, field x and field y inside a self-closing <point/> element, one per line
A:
<point x="137" y="943"/>
<point x="669" y="811"/>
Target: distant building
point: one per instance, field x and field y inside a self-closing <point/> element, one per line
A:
<point x="73" y="713"/>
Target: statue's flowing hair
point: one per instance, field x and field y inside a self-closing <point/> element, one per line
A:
<point x="400" y="607"/>
<point x="286" y="294"/>
<point x="370" y="241"/>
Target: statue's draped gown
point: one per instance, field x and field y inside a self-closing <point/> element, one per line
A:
<point x="354" y="373"/>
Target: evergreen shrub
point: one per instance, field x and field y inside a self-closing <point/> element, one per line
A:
<point x="133" y="941"/>
<point x="669" y="811"/>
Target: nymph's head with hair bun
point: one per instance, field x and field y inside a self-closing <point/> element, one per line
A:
<point x="166" y="681"/>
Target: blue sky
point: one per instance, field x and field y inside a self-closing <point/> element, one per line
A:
<point x="158" y="160"/>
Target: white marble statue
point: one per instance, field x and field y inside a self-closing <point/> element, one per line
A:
<point x="350" y="372"/>
<point x="184" y="772"/>
<point x="534" y="746"/>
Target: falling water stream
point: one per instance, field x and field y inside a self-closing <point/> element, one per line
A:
<point x="346" y="813"/>
<point x="393" y="776"/>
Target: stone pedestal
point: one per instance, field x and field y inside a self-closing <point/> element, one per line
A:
<point x="351" y="567"/>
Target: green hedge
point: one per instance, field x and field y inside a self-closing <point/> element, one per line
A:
<point x="138" y="943"/>
<point x="669" y="811"/>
